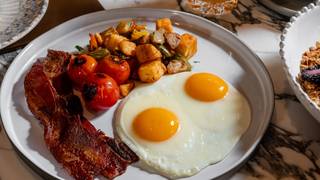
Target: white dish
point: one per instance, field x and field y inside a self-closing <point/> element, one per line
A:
<point x="301" y="33"/>
<point x="18" y="18"/>
<point x="219" y="51"/>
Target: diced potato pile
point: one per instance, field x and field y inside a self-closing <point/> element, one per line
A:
<point x="154" y="53"/>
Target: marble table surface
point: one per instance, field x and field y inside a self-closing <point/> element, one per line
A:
<point x="290" y="148"/>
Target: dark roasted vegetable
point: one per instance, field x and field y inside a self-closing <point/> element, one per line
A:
<point x="164" y="51"/>
<point x="157" y="37"/>
<point x="173" y="39"/>
<point x="176" y="66"/>
<point x="311" y="74"/>
<point x="99" y="53"/>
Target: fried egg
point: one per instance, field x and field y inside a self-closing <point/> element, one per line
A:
<point x="182" y="123"/>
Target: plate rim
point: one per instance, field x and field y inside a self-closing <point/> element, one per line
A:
<point x="303" y="97"/>
<point x="31" y="26"/>
<point x="270" y="85"/>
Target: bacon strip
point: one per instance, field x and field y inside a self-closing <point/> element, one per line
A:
<point x="84" y="151"/>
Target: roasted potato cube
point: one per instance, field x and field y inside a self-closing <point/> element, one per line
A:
<point x="144" y="39"/>
<point x="151" y="71"/>
<point x="108" y="32"/>
<point x="125" y="27"/>
<point x="125" y="89"/>
<point x="187" y="46"/>
<point x="147" y="52"/>
<point x="127" y="47"/>
<point x="164" y="23"/>
<point x="112" y="42"/>
<point x="140" y="27"/>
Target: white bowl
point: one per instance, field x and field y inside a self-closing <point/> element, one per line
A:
<point x="301" y="33"/>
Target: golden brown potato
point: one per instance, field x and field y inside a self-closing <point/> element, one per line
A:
<point x="187" y="46"/>
<point x="112" y="41"/>
<point x="147" y="52"/>
<point x="125" y="89"/>
<point x="127" y="47"/>
<point x="108" y="32"/>
<point x="125" y="27"/>
<point x="151" y="71"/>
<point x="164" y="23"/>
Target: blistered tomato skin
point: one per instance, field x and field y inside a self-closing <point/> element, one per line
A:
<point x="79" y="68"/>
<point x="115" y="67"/>
<point x="100" y="92"/>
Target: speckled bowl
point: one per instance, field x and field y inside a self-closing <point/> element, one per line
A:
<point x="301" y="33"/>
<point x="18" y="18"/>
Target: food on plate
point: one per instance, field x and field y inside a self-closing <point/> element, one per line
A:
<point x="176" y="66"/>
<point x="126" y="88"/>
<point x="84" y="151"/>
<point x="147" y="52"/>
<point x="309" y="77"/>
<point x="176" y="133"/>
<point x="133" y="42"/>
<point x="187" y="46"/>
<point x="100" y="92"/>
<point x="151" y="71"/>
<point x="80" y="67"/>
<point x="115" y="67"/>
<point x="164" y="23"/>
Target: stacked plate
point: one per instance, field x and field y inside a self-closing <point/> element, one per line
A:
<point x="18" y="17"/>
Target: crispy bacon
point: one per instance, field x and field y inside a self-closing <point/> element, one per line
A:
<point x="84" y="151"/>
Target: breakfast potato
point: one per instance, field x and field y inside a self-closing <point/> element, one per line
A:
<point x="147" y="52"/>
<point x="187" y="46"/>
<point x="104" y="34"/>
<point x="127" y="47"/>
<point x="112" y="41"/>
<point x="125" y="27"/>
<point x="164" y="23"/>
<point x="151" y="71"/>
<point x="126" y="88"/>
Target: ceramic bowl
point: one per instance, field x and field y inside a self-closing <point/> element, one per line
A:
<point x="301" y="33"/>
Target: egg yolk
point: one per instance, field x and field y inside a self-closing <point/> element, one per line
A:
<point x="206" y="87"/>
<point x="155" y="124"/>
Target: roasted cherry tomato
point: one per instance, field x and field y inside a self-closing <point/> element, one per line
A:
<point x="80" y="67"/>
<point x="100" y="92"/>
<point x="115" y="67"/>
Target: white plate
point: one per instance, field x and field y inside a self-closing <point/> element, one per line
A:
<point x="219" y="52"/>
<point x="301" y="33"/>
<point x="18" y="18"/>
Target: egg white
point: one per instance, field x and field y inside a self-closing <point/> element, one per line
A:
<point x="207" y="130"/>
